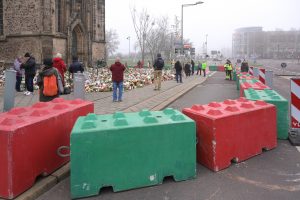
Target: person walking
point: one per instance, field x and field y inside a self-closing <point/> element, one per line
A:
<point x="229" y="70"/>
<point x="60" y="65"/>
<point x="178" y="68"/>
<point x="158" y="66"/>
<point x="244" y="66"/>
<point x="117" y="69"/>
<point x="76" y="66"/>
<point x="187" y="69"/>
<point x="30" y="70"/>
<point x="193" y="66"/>
<point x="19" y="74"/>
<point x="204" y="68"/>
<point x="199" y="69"/>
<point x="47" y="81"/>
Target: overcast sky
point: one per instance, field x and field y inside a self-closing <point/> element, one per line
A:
<point x="217" y="18"/>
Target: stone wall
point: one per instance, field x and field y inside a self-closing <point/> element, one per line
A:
<point x="13" y="47"/>
<point x="22" y="17"/>
<point x="98" y="51"/>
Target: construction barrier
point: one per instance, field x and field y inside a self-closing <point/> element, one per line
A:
<point x="213" y="68"/>
<point x="29" y="139"/>
<point x="244" y="77"/>
<point x="233" y="130"/>
<point x="271" y="96"/>
<point x="256" y="86"/>
<point x="251" y="71"/>
<point x="131" y="150"/>
<point x="221" y="68"/>
<point x="262" y="75"/>
<point x="295" y="102"/>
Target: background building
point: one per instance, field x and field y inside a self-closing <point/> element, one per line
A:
<point x="253" y="42"/>
<point x="45" y="27"/>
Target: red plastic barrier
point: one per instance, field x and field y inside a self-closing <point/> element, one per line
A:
<point x="220" y="68"/>
<point x="29" y="139"/>
<point x="232" y="130"/>
<point x="256" y="86"/>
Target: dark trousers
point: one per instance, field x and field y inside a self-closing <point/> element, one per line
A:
<point x="179" y="75"/>
<point x="199" y="70"/>
<point x="18" y="83"/>
<point x="204" y="72"/>
<point x="29" y="82"/>
<point x="229" y="74"/>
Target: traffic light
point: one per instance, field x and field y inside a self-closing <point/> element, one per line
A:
<point x="192" y="51"/>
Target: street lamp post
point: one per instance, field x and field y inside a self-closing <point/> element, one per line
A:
<point x="206" y="46"/>
<point x="128" y="38"/>
<point x="186" y="5"/>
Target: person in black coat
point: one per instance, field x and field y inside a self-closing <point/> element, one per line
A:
<point x="187" y="69"/>
<point x="30" y="70"/>
<point x="178" y="68"/>
<point x="244" y="66"/>
<point x="76" y="66"/>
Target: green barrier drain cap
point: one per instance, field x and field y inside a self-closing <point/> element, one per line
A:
<point x="118" y="115"/>
<point x="177" y="118"/>
<point x="144" y="113"/>
<point x="150" y="120"/>
<point x="169" y="111"/>
<point x="88" y="125"/>
<point x="120" y="122"/>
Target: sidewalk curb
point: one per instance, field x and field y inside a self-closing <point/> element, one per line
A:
<point x="47" y="183"/>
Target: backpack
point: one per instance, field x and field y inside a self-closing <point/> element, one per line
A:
<point x="160" y="63"/>
<point x="50" y="85"/>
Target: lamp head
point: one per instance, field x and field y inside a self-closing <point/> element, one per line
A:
<point x="199" y="2"/>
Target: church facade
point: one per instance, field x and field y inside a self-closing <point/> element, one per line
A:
<point x="47" y="27"/>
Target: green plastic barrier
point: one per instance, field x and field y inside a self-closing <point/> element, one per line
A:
<point x="271" y="96"/>
<point x="131" y="150"/>
<point x="213" y="68"/>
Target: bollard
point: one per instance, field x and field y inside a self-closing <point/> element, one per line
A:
<point x="262" y="75"/>
<point x="9" y="91"/>
<point x="295" y="99"/>
<point x="251" y="71"/>
<point x="79" y="86"/>
<point x="269" y="78"/>
<point x="255" y="71"/>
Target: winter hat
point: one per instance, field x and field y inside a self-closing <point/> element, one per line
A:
<point x="58" y="55"/>
<point x="27" y="55"/>
<point x="47" y="62"/>
<point x="158" y="55"/>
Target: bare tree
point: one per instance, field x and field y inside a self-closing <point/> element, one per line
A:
<point x="112" y="41"/>
<point x="143" y="25"/>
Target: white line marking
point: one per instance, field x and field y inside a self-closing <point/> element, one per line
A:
<point x="298" y="148"/>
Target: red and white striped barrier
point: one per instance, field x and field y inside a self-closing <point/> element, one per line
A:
<point x="295" y="102"/>
<point x="262" y="75"/>
<point x="251" y="71"/>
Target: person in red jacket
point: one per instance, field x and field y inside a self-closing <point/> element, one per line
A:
<point x="60" y="65"/>
<point x="117" y="71"/>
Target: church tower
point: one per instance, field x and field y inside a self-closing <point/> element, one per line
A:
<point x="47" y="27"/>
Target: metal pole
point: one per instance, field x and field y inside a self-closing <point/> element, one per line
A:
<point x="79" y="89"/>
<point x="206" y="45"/>
<point x="9" y="91"/>
<point x="269" y="78"/>
<point x="181" y="29"/>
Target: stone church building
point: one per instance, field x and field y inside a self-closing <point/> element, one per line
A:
<point x="47" y="27"/>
